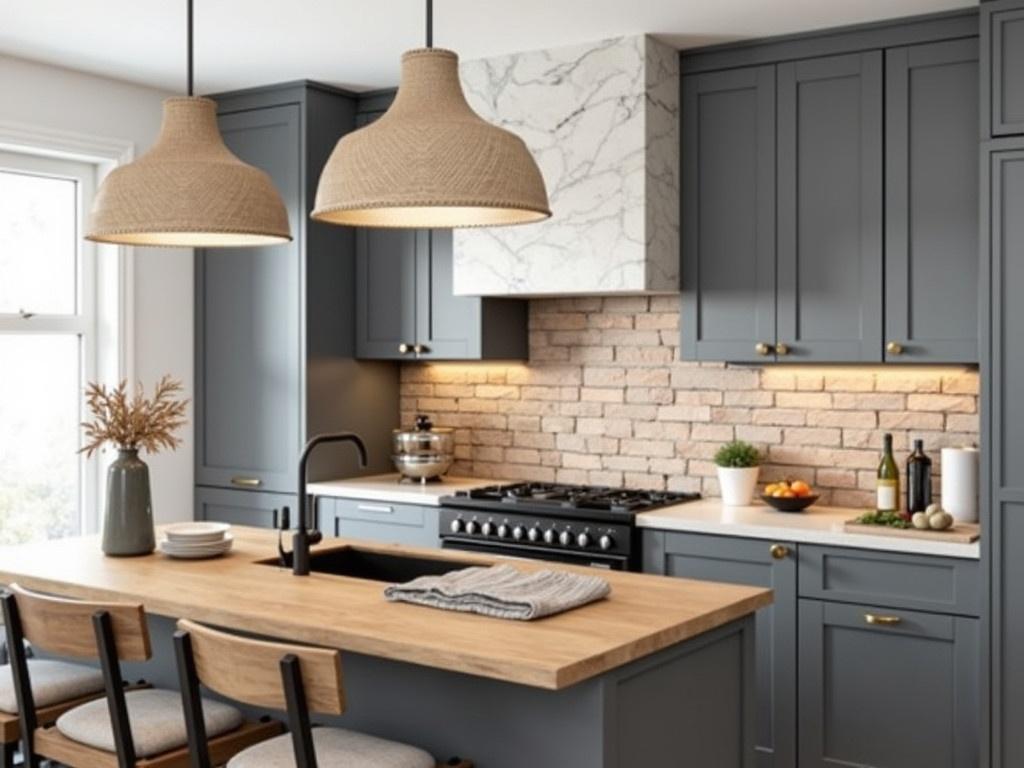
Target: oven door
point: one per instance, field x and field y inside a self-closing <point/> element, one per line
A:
<point x="527" y="552"/>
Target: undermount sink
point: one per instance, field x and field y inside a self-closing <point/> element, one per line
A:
<point x="373" y="565"/>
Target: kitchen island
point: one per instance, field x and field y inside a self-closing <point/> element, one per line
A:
<point x="659" y="672"/>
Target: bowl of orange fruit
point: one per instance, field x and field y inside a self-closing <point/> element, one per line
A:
<point x="789" y="495"/>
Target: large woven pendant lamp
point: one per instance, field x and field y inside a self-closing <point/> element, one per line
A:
<point x="188" y="190"/>
<point x="430" y="160"/>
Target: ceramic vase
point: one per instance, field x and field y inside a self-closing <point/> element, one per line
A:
<point x="128" y="523"/>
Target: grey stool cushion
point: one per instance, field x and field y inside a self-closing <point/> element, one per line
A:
<point x="157" y="720"/>
<point x="337" y="748"/>
<point x="52" y="682"/>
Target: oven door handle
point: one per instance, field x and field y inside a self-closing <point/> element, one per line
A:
<point x="528" y="552"/>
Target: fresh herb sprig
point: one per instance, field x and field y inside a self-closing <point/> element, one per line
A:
<point x="890" y="519"/>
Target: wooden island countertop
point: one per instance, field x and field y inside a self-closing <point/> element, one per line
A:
<point x="644" y="613"/>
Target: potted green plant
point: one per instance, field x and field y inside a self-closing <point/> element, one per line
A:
<point x="131" y="423"/>
<point x="739" y="464"/>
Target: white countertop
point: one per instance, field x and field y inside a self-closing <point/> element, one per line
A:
<point x="816" y="525"/>
<point x="390" y="488"/>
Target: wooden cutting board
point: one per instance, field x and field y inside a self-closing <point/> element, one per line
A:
<point x="960" y="533"/>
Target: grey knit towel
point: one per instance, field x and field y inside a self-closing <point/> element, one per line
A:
<point x="502" y="592"/>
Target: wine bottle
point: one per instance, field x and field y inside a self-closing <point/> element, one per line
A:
<point x="919" y="479"/>
<point x="888" y="479"/>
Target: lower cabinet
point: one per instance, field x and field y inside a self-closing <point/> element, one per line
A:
<point x="883" y="688"/>
<point x="242" y="507"/>
<point x="865" y="659"/>
<point x="380" y="521"/>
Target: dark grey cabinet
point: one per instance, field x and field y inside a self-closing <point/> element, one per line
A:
<point x="382" y="521"/>
<point x="1002" y="25"/>
<point x="729" y="215"/>
<point x="275" y="355"/>
<point x="761" y="564"/>
<point x="386" y="292"/>
<point x="242" y="507"/>
<point x="931" y="201"/>
<point x="830" y="208"/>
<point x="881" y="688"/>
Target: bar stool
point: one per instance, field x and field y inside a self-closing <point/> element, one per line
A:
<point x="127" y="728"/>
<point x="296" y="678"/>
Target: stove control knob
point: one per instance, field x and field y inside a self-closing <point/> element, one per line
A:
<point x="606" y="542"/>
<point x="583" y="540"/>
<point x="518" y="533"/>
<point x="502" y="531"/>
<point x="565" y="538"/>
<point x="487" y="528"/>
<point x="456" y="525"/>
<point x="472" y="527"/>
<point x="533" y="534"/>
<point x="550" y="536"/>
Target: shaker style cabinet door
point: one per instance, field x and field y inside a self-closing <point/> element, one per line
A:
<point x="248" y="342"/>
<point x="931" y="222"/>
<point x="448" y="327"/>
<point x="386" y="292"/>
<point x="262" y="510"/>
<point x="830" y="209"/>
<point x="760" y="564"/>
<point x="1002" y="26"/>
<point x="728" y="217"/>
<point x="882" y="688"/>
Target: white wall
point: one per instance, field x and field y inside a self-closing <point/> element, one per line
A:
<point x="65" y="100"/>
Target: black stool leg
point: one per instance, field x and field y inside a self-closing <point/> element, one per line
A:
<point x="7" y="754"/>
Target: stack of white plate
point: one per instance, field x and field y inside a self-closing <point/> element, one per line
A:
<point x="194" y="541"/>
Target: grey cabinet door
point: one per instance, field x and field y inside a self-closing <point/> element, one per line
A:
<point x="386" y="291"/>
<point x="901" y="695"/>
<point x="931" y="202"/>
<point x="748" y="561"/>
<point x="1002" y="25"/>
<point x="248" y="337"/>
<point x="381" y="521"/>
<point x="830" y="208"/>
<point x="728" y="217"/>
<point x="1003" y="427"/>
<point x="448" y="327"/>
<point x="242" y="507"/>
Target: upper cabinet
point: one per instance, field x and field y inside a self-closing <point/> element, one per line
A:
<point x="602" y="121"/>
<point x="830" y="203"/>
<point x="1003" y="99"/>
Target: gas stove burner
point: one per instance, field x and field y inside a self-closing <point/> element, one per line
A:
<point x="551" y="496"/>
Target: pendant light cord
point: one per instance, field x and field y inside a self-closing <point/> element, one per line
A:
<point x="189" y="38"/>
<point x="430" y="23"/>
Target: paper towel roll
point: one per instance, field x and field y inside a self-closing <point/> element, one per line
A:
<point x="960" y="483"/>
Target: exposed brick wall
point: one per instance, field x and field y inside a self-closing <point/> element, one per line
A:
<point x="604" y="400"/>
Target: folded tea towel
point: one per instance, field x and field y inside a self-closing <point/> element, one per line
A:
<point x="502" y="591"/>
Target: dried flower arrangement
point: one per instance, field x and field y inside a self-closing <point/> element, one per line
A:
<point x="134" y="422"/>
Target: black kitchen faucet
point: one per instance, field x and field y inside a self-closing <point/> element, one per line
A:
<point x="305" y="537"/>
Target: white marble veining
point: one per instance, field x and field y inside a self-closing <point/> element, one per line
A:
<point x="602" y="120"/>
<point x="816" y="525"/>
<point x="391" y="488"/>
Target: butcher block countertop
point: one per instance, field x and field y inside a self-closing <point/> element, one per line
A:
<point x="644" y="614"/>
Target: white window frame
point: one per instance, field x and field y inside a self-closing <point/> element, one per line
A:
<point x="106" y="285"/>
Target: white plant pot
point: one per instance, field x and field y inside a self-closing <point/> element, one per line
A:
<point x="738" y="485"/>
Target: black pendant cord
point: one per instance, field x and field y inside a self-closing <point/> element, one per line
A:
<point x="189" y="38"/>
<point x="430" y="23"/>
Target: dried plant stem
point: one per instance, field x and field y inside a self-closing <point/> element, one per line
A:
<point x="134" y="422"/>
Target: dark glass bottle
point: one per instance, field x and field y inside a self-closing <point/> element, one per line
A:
<point x="919" y="479"/>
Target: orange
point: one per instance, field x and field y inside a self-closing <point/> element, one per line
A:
<point x="800" y="488"/>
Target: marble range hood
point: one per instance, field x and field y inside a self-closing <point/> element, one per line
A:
<point x="602" y="121"/>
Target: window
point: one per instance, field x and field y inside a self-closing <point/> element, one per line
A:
<point x="47" y="346"/>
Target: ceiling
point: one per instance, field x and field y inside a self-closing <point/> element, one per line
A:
<point x="357" y="43"/>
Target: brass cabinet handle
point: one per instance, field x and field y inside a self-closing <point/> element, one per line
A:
<point x="420" y="349"/>
<point x="762" y="349"/>
<point x="247" y="482"/>
<point x="894" y="348"/>
<point x="781" y="349"/>
<point x="882" y="621"/>
<point x="779" y="551"/>
<point x="404" y="348"/>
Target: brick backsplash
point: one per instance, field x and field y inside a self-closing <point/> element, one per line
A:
<point x="604" y="400"/>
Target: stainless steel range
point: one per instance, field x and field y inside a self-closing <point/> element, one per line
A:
<point x="579" y="524"/>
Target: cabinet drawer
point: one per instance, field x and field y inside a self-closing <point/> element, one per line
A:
<point x="947" y="585"/>
<point x="379" y="521"/>
<point x="376" y="511"/>
<point x="242" y="507"/>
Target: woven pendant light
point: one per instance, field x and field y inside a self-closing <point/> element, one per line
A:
<point x="430" y="160"/>
<point x="188" y="190"/>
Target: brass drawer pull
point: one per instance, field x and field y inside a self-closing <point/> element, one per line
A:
<point x="420" y="349"/>
<point x="882" y="621"/>
<point x="781" y="349"/>
<point x="404" y="349"/>
<point x="779" y="551"/>
<point x="247" y="482"/>
<point x="762" y="349"/>
<point x="894" y="348"/>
